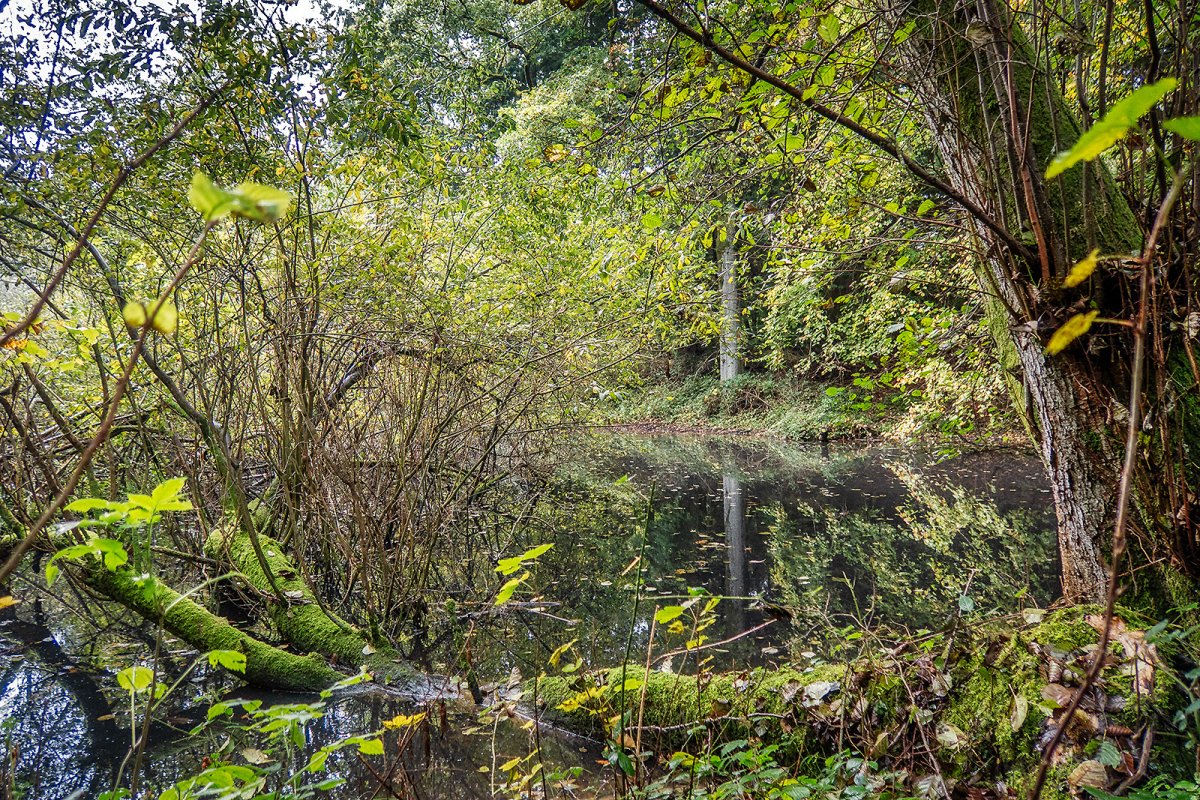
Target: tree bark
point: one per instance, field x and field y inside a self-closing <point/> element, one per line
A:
<point x="997" y="120"/>
<point x="731" y="308"/>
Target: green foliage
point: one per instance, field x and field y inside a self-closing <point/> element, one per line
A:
<point x="1123" y="116"/>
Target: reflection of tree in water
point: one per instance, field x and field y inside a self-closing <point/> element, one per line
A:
<point x="56" y="717"/>
<point x="909" y="566"/>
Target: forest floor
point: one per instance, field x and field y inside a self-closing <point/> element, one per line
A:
<point x="805" y="410"/>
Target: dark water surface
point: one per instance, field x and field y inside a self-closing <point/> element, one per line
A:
<point x="798" y="542"/>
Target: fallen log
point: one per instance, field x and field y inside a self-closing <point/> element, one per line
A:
<point x="303" y="621"/>
<point x="267" y="666"/>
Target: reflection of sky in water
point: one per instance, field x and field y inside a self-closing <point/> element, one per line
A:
<point x="783" y="525"/>
<point x="52" y="721"/>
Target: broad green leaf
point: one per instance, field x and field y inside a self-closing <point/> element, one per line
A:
<point x="925" y="207"/>
<point x="1080" y="272"/>
<point x="135" y="679"/>
<point x="667" y="613"/>
<point x="212" y="202"/>
<point x="88" y="504"/>
<point x="317" y="762"/>
<point x="506" y="591"/>
<point x="371" y="747"/>
<point x="1187" y="127"/>
<point x="507" y="566"/>
<point x="1112" y="128"/>
<point x="261" y="203"/>
<point x="1070" y="330"/>
<point x="231" y="660"/>
<point x="829" y="29"/>
<point x="165" y="496"/>
<point x="652" y="220"/>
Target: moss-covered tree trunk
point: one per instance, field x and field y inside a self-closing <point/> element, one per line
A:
<point x="997" y="119"/>
<point x="302" y="620"/>
<point x="266" y="666"/>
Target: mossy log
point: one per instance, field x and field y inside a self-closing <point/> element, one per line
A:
<point x="302" y="620"/>
<point x="266" y="666"/>
<point x="983" y="713"/>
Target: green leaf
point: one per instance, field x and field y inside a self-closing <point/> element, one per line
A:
<point x="1081" y="271"/>
<point x="212" y="202"/>
<point x="135" y="679"/>
<point x="667" y="613"/>
<point x="925" y="207"/>
<point x="829" y="29"/>
<point x="1187" y="127"/>
<point x="231" y="660"/>
<point x="88" y="504"/>
<point x="506" y="591"/>
<point x="165" y="496"/>
<point x="507" y="566"/>
<point x="1112" y="128"/>
<point x="966" y="603"/>
<point x="371" y="747"/>
<point x="1108" y="754"/>
<point x="652" y="220"/>
<point x="1070" y="330"/>
<point x="261" y="203"/>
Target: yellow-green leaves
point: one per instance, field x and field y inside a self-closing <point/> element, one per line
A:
<point x="212" y="203"/>
<point x="1070" y="330"/>
<point x="250" y="200"/>
<point x="1110" y="130"/>
<point x="110" y="551"/>
<point x="507" y="566"/>
<point x="135" y="679"/>
<point x="1187" y="127"/>
<point x="134" y="314"/>
<point x="161" y="315"/>
<point x="231" y="660"/>
<point x="507" y="590"/>
<point x="1081" y="271"/>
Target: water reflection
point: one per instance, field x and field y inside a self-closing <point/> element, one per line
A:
<point x="810" y="535"/>
<point x="798" y="538"/>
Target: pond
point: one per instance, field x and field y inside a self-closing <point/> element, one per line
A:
<point x="791" y="549"/>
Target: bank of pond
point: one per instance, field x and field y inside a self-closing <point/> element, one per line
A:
<point x="716" y="617"/>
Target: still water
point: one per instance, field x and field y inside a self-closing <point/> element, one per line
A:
<point x="801" y="545"/>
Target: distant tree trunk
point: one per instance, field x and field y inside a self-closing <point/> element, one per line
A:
<point x="731" y="308"/>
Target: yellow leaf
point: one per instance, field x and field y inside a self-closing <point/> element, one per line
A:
<point x="8" y="602"/>
<point x="134" y="314"/>
<point x="404" y="720"/>
<point x="1070" y="330"/>
<point x="162" y="316"/>
<point x="1080" y="272"/>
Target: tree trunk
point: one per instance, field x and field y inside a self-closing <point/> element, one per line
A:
<point x="731" y="308"/>
<point x="997" y="120"/>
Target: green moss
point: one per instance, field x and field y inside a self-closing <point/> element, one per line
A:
<point x="266" y="666"/>
<point x="989" y="670"/>
<point x="302" y="621"/>
<point x="732" y="705"/>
